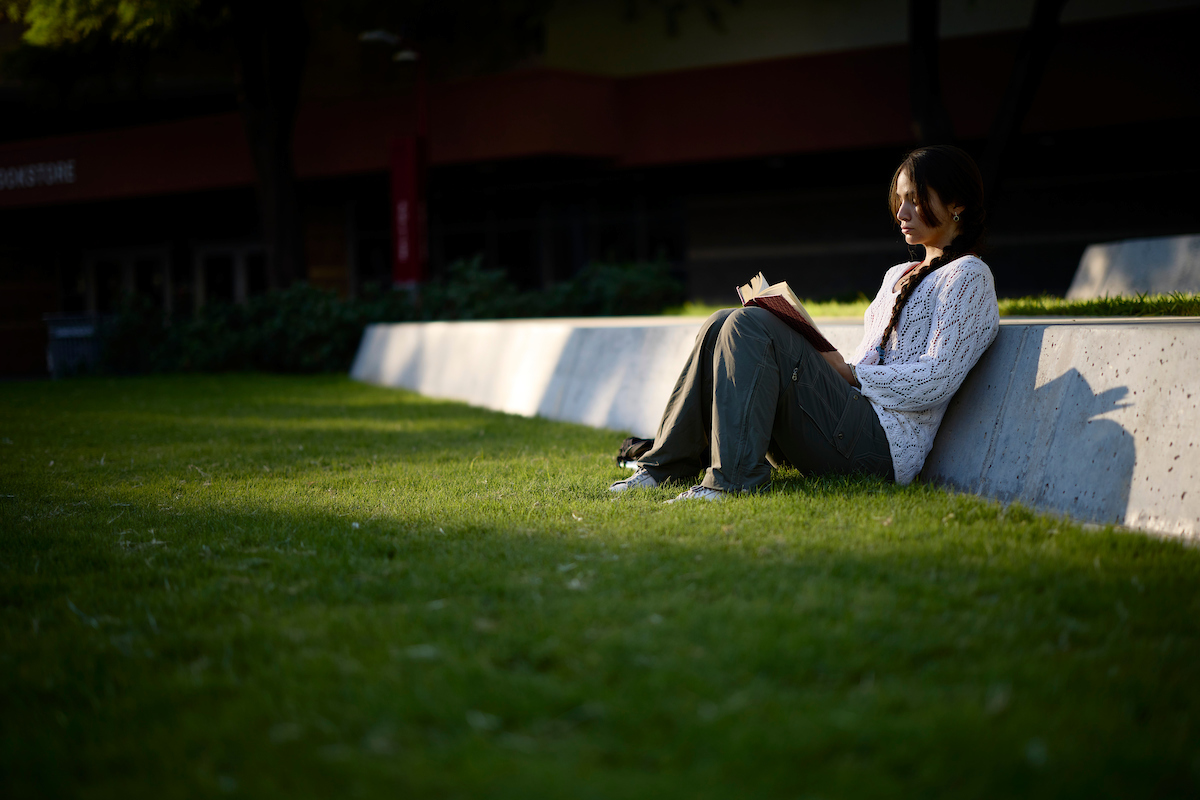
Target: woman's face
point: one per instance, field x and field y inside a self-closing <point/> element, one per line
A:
<point x="913" y="227"/>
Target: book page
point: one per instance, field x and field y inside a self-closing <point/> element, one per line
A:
<point x="786" y="293"/>
<point x="781" y="301"/>
<point x="781" y="289"/>
<point x="752" y="289"/>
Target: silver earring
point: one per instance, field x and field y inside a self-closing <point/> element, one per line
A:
<point x="956" y="216"/>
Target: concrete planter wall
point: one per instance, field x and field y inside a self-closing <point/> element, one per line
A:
<point x="1097" y="419"/>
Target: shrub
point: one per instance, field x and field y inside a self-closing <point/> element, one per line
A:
<point x="606" y="290"/>
<point x="304" y="329"/>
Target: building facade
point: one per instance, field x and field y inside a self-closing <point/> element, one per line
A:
<point x="767" y="145"/>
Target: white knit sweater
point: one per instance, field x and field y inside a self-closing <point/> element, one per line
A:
<point x="949" y="321"/>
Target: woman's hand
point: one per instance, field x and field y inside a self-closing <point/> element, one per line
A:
<point x="835" y="360"/>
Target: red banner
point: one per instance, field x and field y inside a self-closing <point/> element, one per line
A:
<point x="409" y="250"/>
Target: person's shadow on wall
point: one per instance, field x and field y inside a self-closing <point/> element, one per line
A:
<point x="1048" y="447"/>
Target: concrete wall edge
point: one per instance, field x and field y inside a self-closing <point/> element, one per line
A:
<point x="1093" y="420"/>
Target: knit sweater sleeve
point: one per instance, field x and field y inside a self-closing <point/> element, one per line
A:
<point x="963" y="323"/>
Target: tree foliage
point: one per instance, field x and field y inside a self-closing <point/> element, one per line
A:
<point x="51" y="23"/>
<point x="673" y="11"/>
<point x="269" y="40"/>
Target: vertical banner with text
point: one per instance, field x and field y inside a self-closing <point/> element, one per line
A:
<point x="409" y="250"/>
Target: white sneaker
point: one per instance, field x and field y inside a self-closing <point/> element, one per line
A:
<point x="700" y="493"/>
<point x="638" y="480"/>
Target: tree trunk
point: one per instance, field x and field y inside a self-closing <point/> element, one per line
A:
<point x="1032" y="57"/>
<point x="931" y="123"/>
<point x="271" y="40"/>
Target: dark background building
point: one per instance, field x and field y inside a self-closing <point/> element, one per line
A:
<point x="763" y="146"/>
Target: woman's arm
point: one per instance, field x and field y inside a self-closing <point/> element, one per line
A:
<point x="965" y="322"/>
<point x="835" y="360"/>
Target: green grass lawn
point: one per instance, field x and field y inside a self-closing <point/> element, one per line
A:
<point x="305" y="587"/>
<point x="818" y="308"/>
<point x="1175" y="304"/>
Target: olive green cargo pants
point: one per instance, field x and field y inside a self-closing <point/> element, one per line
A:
<point x="755" y="393"/>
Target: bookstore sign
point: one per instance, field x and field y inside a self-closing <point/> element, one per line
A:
<point x="29" y="176"/>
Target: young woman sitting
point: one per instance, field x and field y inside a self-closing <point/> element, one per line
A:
<point x="754" y="393"/>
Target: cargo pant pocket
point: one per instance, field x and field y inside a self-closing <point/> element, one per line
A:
<point x="836" y="411"/>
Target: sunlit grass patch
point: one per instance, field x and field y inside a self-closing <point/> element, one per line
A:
<point x="1173" y="304"/>
<point x="1177" y="304"/>
<point x="267" y="585"/>
<point x="818" y="308"/>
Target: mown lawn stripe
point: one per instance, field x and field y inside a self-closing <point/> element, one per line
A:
<point x="272" y="585"/>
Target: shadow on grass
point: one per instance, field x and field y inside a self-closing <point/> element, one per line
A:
<point x="480" y="618"/>
<point x="300" y="652"/>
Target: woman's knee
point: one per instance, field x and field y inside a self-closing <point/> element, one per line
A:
<point x="718" y="317"/>
<point x="712" y="326"/>
<point x="748" y="320"/>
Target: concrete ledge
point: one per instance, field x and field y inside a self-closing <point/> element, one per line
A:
<point x="1097" y="419"/>
<point x="606" y="372"/>
<point x="1156" y="265"/>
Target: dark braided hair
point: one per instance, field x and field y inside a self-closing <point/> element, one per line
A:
<point x="953" y="175"/>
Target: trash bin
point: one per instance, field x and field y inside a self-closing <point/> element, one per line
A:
<point x="73" y="343"/>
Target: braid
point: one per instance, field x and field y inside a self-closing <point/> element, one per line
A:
<point x="953" y="175"/>
<point x="957" y="248"/>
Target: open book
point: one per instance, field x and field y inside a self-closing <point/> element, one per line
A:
<point x="781" y="301"/>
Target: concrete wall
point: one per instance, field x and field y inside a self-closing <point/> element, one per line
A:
<point x="609" y="373"/>
<point x="1097" y="419"/>
<point x="1157" y="265"/>
<point x="1094" y="419"/>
